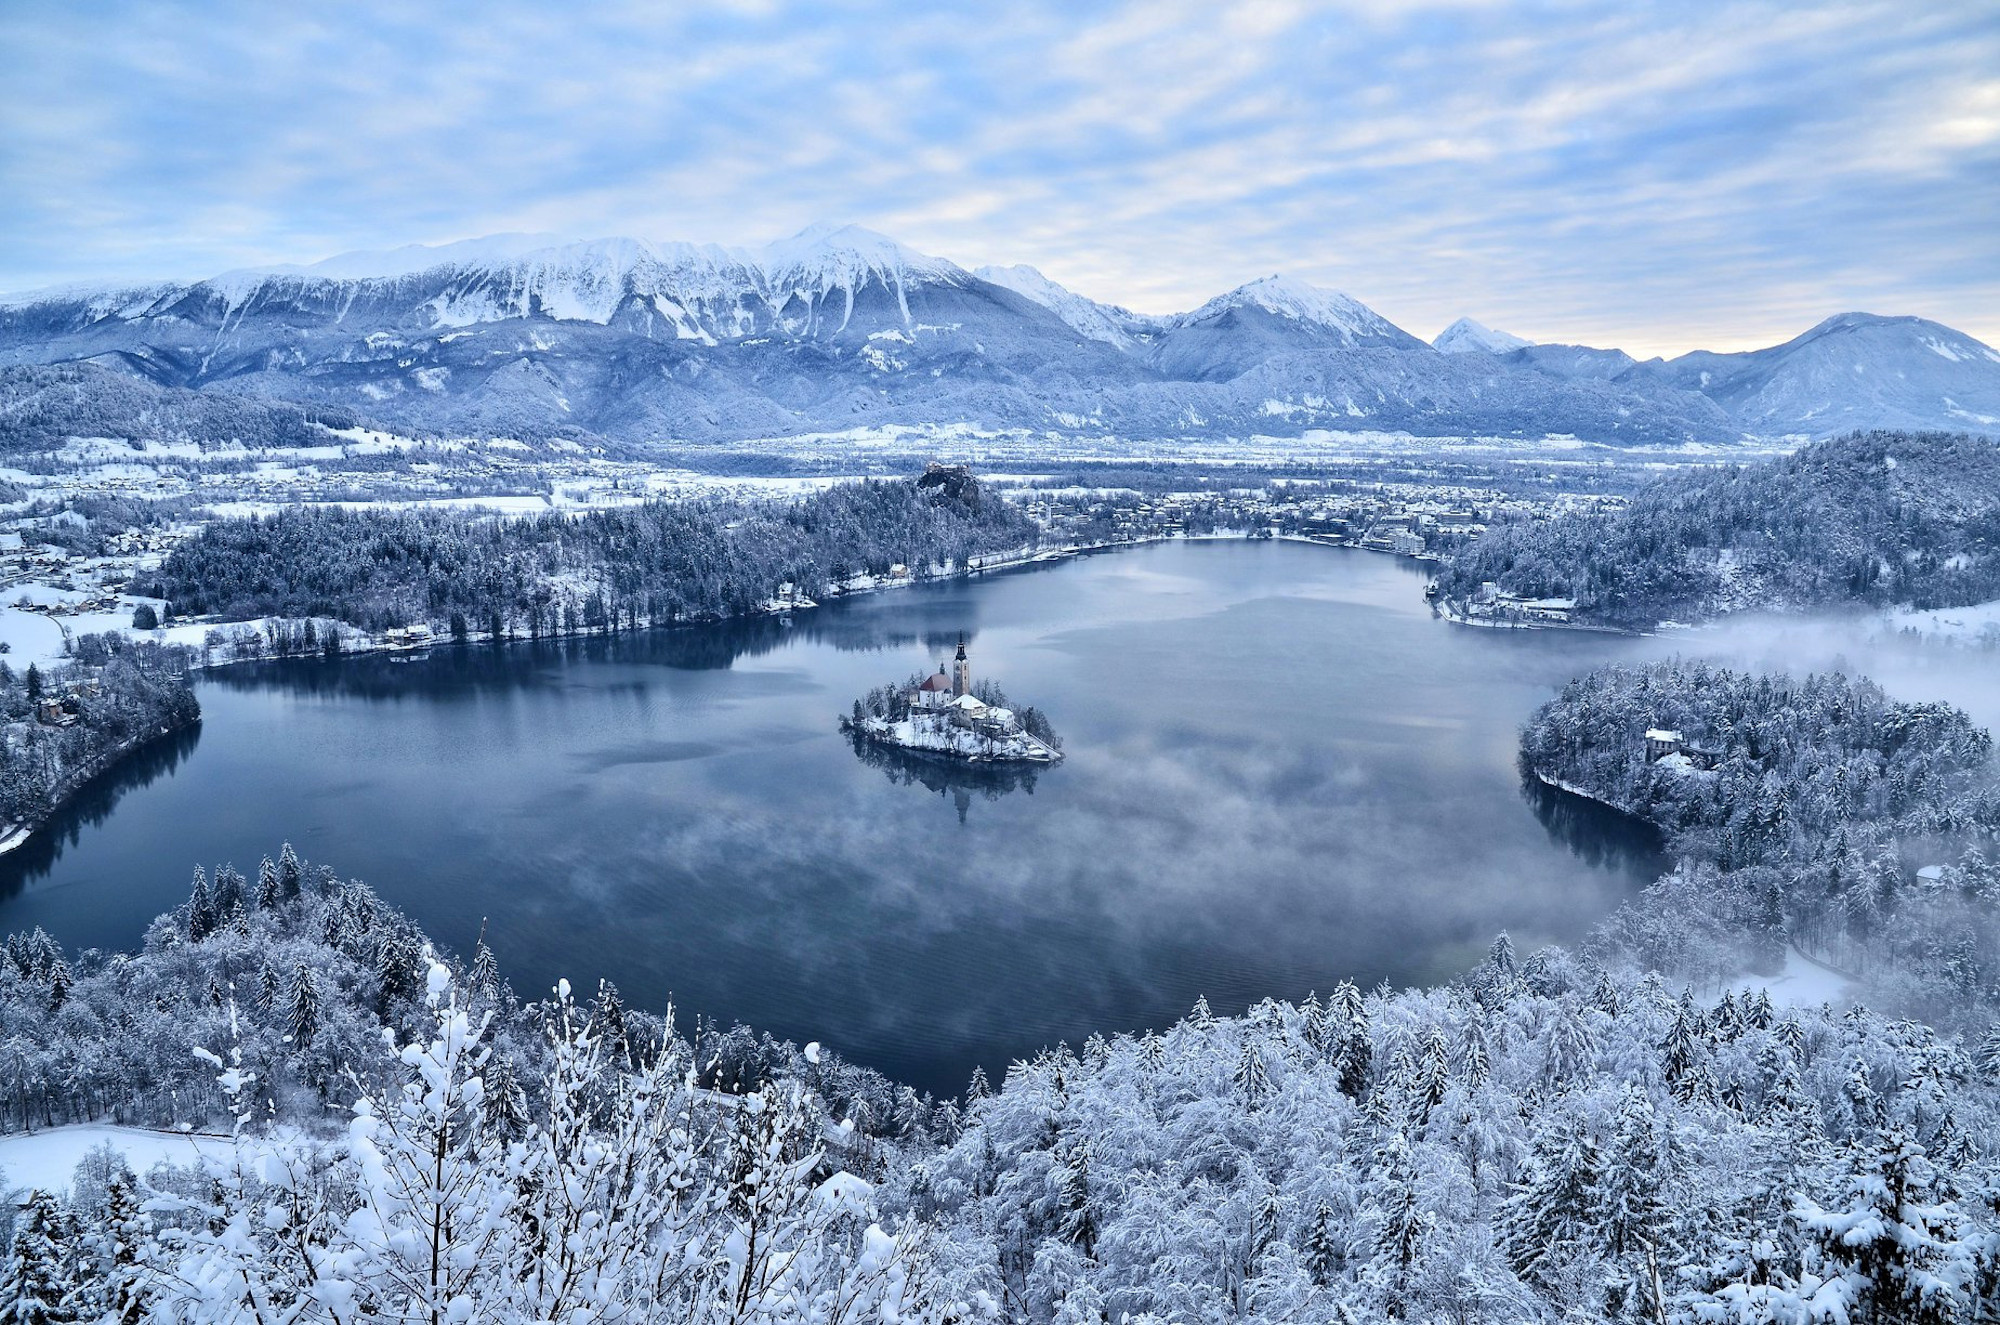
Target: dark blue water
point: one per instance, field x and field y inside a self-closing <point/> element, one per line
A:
<point x="1282" y="773"/>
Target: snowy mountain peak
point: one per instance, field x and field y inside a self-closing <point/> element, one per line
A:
<point x="1086" y="316"/>
<point x="1940" y="340"/>
<point x="830" y="256"/>
<point x="1465" y="335"/>
<point x="1298" y="301"/>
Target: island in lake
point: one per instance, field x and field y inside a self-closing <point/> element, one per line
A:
<point x="946" y="714"/>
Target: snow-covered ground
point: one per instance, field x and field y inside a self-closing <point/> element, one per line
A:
<point x="935" y="734"/>
<point x="1803" y="983"/>
<point x="46" y="1160"/>
<point x="1979" y="624"/>
<point x="30" y="638"/>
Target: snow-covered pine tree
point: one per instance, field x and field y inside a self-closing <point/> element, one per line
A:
<point x="126" y="1253"/>
<point x="302" y="1008"/>
<point x="1895" y="1252"/>
<point x="1355" y="1056"/>
<point x="38" y="1277"/>
<point x="1554" y="1212"/>
<point x="201" y="908"/>
<point x="1253" y="1079"/>
<point x="291" y="874"/>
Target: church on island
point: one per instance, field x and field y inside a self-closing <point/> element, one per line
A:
<point x="940" y="714"/>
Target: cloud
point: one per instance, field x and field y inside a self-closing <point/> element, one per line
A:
<point x="1657" y="177"/>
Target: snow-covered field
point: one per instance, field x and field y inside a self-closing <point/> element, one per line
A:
<point x="30" y="638"/>
<point x="46" y="1160"/>
<point x="1979" y="624"/>
<point x="1802" y="983"/>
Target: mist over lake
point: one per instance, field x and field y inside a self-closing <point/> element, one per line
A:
<point x="1282" y="772"/>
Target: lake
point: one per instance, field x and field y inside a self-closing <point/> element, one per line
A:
<point x="1282" y="773"/>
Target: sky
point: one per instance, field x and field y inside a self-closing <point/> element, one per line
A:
<point x="1658" y="177"/>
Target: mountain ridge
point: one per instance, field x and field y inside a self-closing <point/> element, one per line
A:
<point x="642" y="341"/>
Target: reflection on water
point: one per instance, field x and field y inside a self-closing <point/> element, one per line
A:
<point x="1594" y="832"/>
<point x="1282" y="773"/>
<point x="527" y="664"/>
<point x="92" y="805"/>
<point x="954" y="779"/>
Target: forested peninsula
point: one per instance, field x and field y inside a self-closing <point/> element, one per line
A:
<point x="69" y="723"/>
<point x="1873" y="519"/>
<point x="1813" y="812"/>
<point x="656" y="563"/>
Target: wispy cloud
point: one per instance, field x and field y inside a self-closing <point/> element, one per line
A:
<point x="1657" y="176"/>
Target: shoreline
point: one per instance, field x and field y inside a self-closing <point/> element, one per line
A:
<point x="1572" y="789"/>
<point x="866" y="731"/>
<point x="1022" y="559"/>
<point x="12" y="837"/>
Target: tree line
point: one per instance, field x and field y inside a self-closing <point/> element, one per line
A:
<point x="1876" y="519"/>
<point x="651" y="564"/>
<point x="1544" y="1138"/>
<point x="1856" y="827"/>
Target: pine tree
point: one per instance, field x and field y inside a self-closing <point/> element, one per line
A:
<point x="127" y="1252"/>
<point x="60" y="983"/>
<point x="291" y="873"/>
<point x="38" y="1276"/>
<point x="1252" y="1078"/>
<point x="1201" y="1018"/>
<point x="1635" y="1184"/>
<point x="302" y="1011"/>
<point x="1429" y="1080"/>
<point x="1554" y="1212"/>
<point x="1897" y="1252"/>
<point x="1326" y="1256"/>
<point x="201" y="908"/>
<point x="1989" y="1052"/>
<point x="1356" y="1053"/>
<point x="608" y="1020"/>
<point x="485" y="972"/>
<point x="1402" y="1223"/>
<point x="268" y="894"/>
<point x="506" y="1104"/>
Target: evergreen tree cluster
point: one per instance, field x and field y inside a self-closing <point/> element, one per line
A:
<point x="1540" y="1141"/>
<point x="305" y="971"/>
<point x="1876" y="519"/>
<point x="652" y="564"/>
<point x="1543" y="1139"/>
<point x="1826" y="800"/>
<point x="44" y="406"/>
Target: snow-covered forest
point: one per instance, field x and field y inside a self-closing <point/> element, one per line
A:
<point x="1861" y="830"/>
<point x="1874" y="519"/>
<point x="68" y="723"/>
<point x="1545" y="1138"/>
<point x="650" y="564"/>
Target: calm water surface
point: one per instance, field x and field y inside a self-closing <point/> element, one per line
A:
<point x="1283" y="772"/>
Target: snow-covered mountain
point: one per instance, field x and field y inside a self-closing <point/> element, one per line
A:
<point x="1106" y="322"/>
<point x="1465" y="336"/>
<point x="1855" y="370"/>
<point x="839" y="326"/>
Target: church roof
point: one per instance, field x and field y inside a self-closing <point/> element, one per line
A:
<point x="934" y="682"/>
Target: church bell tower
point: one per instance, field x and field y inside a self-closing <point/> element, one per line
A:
<point x="961" y="671"/>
